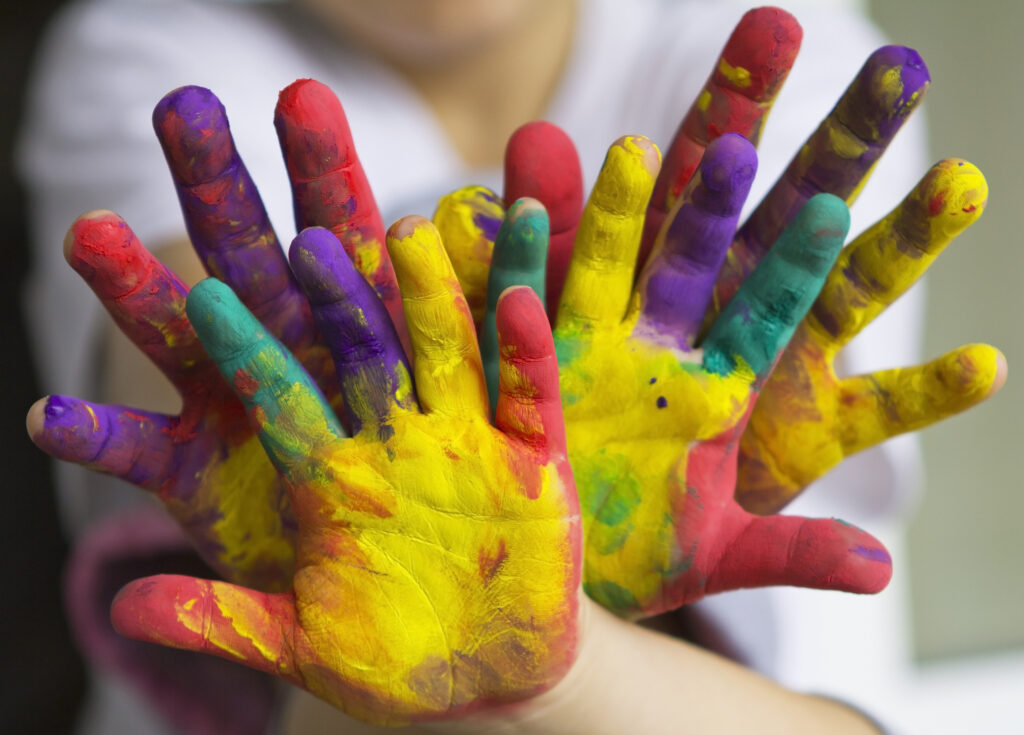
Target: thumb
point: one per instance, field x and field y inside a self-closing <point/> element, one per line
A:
<point x="819" y="553"/>
<point x="253" y="628"/>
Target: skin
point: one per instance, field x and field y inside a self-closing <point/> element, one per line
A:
<point x="405" y="606"/>
<point x="205" y="464"/>
<point x="653" y="423"/>
<point x="541" y="163"/>
<point x="805" y="404"/>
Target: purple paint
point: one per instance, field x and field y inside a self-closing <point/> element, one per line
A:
<point x="662" y="402"/>
<point x="678" y="279"/>
<point x="867" y="109"/>
<point x="224" y="214"/>
<point x="355" y="325"/>
<point x="879" y="555"/>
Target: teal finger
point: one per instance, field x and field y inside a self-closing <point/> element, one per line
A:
<point x="285" y="407"/>
<point x="520" y="255"/>
<point x="758" y="323"/>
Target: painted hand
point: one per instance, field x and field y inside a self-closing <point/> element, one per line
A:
<point x="541" y="161"/>
<point x="807" y="419"/>
<point x="206" y="465"/>
<point x="654" y="423"/>
<point x="438" y="559"/>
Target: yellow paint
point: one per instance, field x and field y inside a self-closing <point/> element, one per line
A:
<point x="448" y="372"/>
<point x="704" y="101"/>
<point x="366" y="254"/>
<point x="739" y="76"/>
<point x="620" y="439"/>
<point x="245" y="494"/>
<point x="600" y="277"/>
<point x="468" y="246"/>
<point x="807" y="419"/>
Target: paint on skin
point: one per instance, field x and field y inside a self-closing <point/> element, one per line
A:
<point x="541" y="163"/>
<point x="237" y="519"/>
<point x="807" y="419"/>
<point x="838" y="158"/>
<point x="600" y="277"/>
<point x="329" y="185"/>
<point x="677" y="282"/>
<point x="736" y="99"/>
<point x="468" y="220"/>
<point x="224" y="214"/>
<point x="655" y="549"/>
<point x="520" y="254"/>
<point x="435" y="633"/>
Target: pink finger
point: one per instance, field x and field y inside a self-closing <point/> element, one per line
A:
<point x="330" y="188"/>
<point x="541" y="162"/>
<point x="145" y="299"/>
<point x="736" y="99"/>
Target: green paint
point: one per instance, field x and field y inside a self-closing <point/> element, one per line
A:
<point x="519" y="259"/>
<point x="759" y="321"/>
<point x="611" y="596"/>
<point x="612" y="495"/>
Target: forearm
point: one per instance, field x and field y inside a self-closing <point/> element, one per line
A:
<point x="629" y="679"/>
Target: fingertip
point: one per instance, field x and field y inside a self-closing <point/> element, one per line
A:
<point x="315" y="255"/>
<point x="760" y="51"/>
<point x="820" y="229"/>
<point x="410" y="226"/>
<point x="522" y="321"/>
<point x="1001" y="372"/>
<point x="35" y="419"/>
<point x="955" y="194"/>
<point x="192" y="126"/>
<point x="525" y="207"/>
<point x="644" y="150"/>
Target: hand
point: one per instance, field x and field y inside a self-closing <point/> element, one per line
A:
<point x="653" y="423"/>
<point x="205" y="465"/>
<point x="437" y="567"/>
<point x="807" y="418"/>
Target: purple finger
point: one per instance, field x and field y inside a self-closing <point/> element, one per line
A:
<point x="134" y="445"/>
<point x="837" y="158"/>
<point x="677" y="282"/>
<point x="224" y="214"/>
<point x="372" y="369"/>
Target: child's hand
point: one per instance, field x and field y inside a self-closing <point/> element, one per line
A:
<point x="205" y="464"/>
<point x="437" y="556"/>
<point x="807" y="419"/>
<point x="653" y="424"/>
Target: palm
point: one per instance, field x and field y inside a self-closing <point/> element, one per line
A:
<point x="206" y="465"/>
<point x="437" y="565"/>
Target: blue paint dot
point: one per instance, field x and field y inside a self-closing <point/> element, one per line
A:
<point x="653" y="381"/>
<point x="662" y="402"/>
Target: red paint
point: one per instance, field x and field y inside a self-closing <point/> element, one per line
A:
<point x="245" y="384"/>
<point x="936" y="204"/>
<point x="490" y="563"/>
<point x="541" y="162"/>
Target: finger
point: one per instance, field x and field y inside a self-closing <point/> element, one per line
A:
<point x="759" y="321"/>
<point x="737" y="98"/>
<point x="145" y="299"/>
<point x="224" y="214"/>
<point x="881" y="264"/>
<point x="676" y="283"/>
<point x="468" y="220"/>
<point x="874" y="407"/>
<point x="375" y="378"/>
<point x="529" y="404"/>
<point x="519" y="259"/>
<point x="837" y="158"/>
<point x="541" y="162"/>
<point x="285" y="408"/>
<point x="257" y="629"/>
<point x="134" y="445"/>
<point x="801" y="552"/>
<point x="600" y="277"/>
<point x="446" y="359"/>
<point x="329" y="186"/>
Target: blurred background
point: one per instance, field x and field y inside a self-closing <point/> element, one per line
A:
<point x="966" y="541"/>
